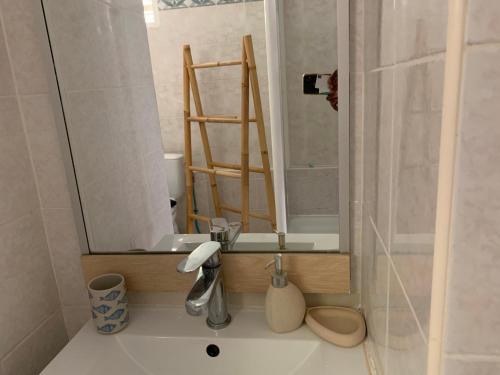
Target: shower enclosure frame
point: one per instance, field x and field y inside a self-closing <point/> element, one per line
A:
<point x="278" y="113"/>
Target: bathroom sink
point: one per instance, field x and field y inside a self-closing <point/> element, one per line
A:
<point x="168" y="341"/>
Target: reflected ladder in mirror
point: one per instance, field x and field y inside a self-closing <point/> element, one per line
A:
<point x="241" y="171"/>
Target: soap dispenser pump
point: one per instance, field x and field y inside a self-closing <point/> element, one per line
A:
<point x="285" y="304"/>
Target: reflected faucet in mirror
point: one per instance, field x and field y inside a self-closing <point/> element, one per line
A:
<point x="223" y="232"/>
<point x="207" y="292"/>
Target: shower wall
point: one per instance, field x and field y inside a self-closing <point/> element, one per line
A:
<point x="216" y="36"/>
<point x="405" y="44"/>
<point x="311" y="129"/>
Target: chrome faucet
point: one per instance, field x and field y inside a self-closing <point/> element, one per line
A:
<point x="223" y="232"/>
<point x="207" y="292"/>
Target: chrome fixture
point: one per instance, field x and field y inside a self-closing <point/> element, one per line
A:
<point x="223" y="232"/>
<point x="207" y="292"/>
<point x="281" y="240"/>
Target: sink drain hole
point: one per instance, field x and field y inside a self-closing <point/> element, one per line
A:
<point x="213" y="350"/>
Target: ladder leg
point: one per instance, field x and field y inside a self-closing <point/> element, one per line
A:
<point x="203" y="130"/>
<point x="245" y="155"/>
<point x="188" y="152"/>
<point x="250" y="58"/>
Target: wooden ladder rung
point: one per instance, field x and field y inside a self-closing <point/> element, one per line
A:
<point x="237" y="167"/>
<point x="216" y="64"/>
<point x="215" y="172"/>
<point x="249" y="83"/>
<point x="251" y="214"/>
<point x="199" y="217"/>
<point x="219" y="119"/>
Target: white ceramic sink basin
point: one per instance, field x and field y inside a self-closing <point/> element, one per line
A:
<point x="167" y="341"/>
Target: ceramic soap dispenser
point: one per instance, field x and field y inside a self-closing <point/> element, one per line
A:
<point x="285" y="304"/>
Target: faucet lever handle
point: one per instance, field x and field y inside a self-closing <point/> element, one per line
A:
<point x="202" y="254"/>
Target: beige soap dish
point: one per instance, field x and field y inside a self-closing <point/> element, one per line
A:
<point x="339" y="325"/>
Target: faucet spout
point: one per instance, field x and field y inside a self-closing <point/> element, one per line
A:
<point x="207" y="293"/>
<point x="199" y="297"/>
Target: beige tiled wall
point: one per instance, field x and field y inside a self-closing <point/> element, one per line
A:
<point x="472" y="325"/>
<point x="32" y="328"/>
<point x="404" y="62"/>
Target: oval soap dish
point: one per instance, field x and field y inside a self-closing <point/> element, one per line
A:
<point x="338" y="325"/>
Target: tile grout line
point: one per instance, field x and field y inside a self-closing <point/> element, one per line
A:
<point x="30" y="334"/>
<point x="412" y="62"/>
<point x="473" y="357"/>
<point x="487" y="46"/>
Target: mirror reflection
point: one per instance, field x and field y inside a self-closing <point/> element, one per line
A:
<point x="198" y="119"/>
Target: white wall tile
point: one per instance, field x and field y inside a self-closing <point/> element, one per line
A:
<point x="312" y="191"/>
<point x="377" y="148"/>
<point x="26" y="34"/>
<point x="17" y="186"/>
<point x="45" y="151"/>
<point x="6" y="80"/>
<point x="84" y="63"/>
<point x="471" y="367"/>
<point x="65" y="250"/>
<point x="420" y="28"/>
<point x="27" y="283"/>
<point x="482" y="21"/>
<point x="36" y="350"/>
<point x="474" y="283"/>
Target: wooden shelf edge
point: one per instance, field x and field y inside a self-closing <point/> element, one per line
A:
<point x="243" y="273"/>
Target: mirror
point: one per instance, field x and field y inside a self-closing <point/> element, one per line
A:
<point x="187" y="116"/>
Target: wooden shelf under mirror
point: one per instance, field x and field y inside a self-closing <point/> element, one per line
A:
<point x="243" y="273"/>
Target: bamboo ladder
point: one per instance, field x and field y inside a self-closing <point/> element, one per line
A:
<point x="213" y="169"/>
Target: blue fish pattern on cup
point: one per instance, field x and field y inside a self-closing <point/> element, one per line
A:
<point x="107" y="328"/>
<point x="111" y="296"/>
<point x="125" y="321"/>
<point x="116" y="315"/>
<point x="102" y="309"/>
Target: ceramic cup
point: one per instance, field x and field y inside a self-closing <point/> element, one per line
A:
<point x="108" y="300"/>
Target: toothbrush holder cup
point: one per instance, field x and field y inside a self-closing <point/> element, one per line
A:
<point x="109" y="303"/>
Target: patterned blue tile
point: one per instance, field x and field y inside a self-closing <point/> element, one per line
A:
<point x="178" y="4"/>
<point x="201" y="3"/>
<point x="171" y="4"/>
